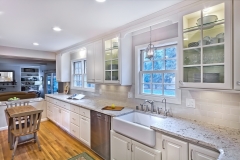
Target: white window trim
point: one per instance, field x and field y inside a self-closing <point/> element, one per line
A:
<point x="174" y="100"/>
<point x="72" y="77"/>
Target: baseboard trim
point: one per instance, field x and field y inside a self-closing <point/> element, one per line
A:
<point x="6" y="127"/>
<point x="3" y="128"/>
<point x="44" y="119"/>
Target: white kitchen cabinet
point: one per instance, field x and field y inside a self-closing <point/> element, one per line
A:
<point x="85" y="130"/>
<point x="120" y="147"/>
<point x="65" y="119"/>
<point x="127" y="149"/>
<point x="142" y="152"/>
<point x="118" y="59"/>
<point x="63" y="67"/>
<point x="206" y="46"/>
<point x="236" y="44"/>
<point x="174" y="149"/>
<point x="74" y="130"/>
<point x="95" y="62"/>
<point x="57" y="115"/>
<point x="199" y="153"/>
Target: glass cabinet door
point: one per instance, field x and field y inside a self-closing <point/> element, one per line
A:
<point x="203" y="45"/>
<point x="111" y="59"/>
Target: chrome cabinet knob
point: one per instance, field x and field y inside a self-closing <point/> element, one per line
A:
<point x="181" y="82"/>
<point x="238" y="83"/>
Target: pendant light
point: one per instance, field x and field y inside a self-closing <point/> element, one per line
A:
<point x="150" y="48"/>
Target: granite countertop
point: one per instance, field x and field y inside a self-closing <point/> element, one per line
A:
<point x="3" y="103"/>
<point x="223" y="139"/>
<point x="95" y="104"/>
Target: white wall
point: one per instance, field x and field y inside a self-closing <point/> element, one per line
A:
<point x="26" y="53"/>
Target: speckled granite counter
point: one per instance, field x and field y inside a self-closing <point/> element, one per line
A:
<point x="226" y="140"/>
<point x="95" y="104"/>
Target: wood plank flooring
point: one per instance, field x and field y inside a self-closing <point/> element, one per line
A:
<point x="56" y="145"/>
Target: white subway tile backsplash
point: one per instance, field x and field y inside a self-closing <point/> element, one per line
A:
<point x="218" y="108"/>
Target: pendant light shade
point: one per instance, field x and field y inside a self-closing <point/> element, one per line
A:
<point x="150" y="49"/>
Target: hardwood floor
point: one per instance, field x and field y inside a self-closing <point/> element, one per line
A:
<point x="56" y="145"/>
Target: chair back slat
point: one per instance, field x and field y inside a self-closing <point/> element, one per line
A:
<point x="25" y="124"/>
<point x="29" y="122"/>
<point x="19" y="123"/>
<point x="14" y="122"/>
<point x="39" y="119"/>
<point x="17" y="103"/>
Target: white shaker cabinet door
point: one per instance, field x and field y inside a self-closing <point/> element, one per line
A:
<point x="142" y="152"/>
<point x="56" y="115"/>
<point x="90" y="63"/>
<point x="65" y="117"/>
<point x="120" y="147"/>
<point x="98" y="62"/>
<point x="174" y="149"/>
<point x="85" y="132"/>
<point x="199" y="153"/>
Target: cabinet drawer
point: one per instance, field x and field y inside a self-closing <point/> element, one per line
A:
<point x="56" y="102"/>
<point x="74" y="130"/>
<point x="85" y="112"/>
<point x="74" y="118"/>
<point x="65" y="105"/>
<point x="50" y="99"/>
<point x="75" y="109"/>
<point x="49" y="106"/>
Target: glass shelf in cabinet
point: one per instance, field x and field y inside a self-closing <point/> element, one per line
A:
<point x="204" y="26"/>
<point x="192" y="74"/>
<point x="192" y="39"/>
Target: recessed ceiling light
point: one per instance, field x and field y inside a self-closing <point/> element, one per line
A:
<point x="100" y="0"/>
<point x="57" y="29"/>
<point x="35" y="44"/>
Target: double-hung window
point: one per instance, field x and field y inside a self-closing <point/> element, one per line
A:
<point x="156" y="78"/>
<point x="79" y="76"/>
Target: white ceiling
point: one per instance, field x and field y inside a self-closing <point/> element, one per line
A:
<point x="26" y="21"/>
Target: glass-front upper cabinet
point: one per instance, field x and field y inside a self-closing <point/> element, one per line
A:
<point x="111" y="49"/>
<point x="206" y="37"/>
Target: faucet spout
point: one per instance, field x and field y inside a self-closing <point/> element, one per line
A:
<point x="165" y="106"/>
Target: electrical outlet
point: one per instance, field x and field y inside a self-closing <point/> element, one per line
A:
<point x="190" y="103"/>
<point x="130" y="95"/>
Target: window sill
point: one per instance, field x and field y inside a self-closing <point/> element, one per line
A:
<point x="173" y="100"/>
<point x="83" y="89"/>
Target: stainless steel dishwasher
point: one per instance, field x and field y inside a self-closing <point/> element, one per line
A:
<point x="100" y="134"/>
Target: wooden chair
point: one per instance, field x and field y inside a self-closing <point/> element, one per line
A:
<point x="30" y="125"/>
<point x="17" y="103"/>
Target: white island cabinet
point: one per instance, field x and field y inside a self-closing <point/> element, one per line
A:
<point x="205" y="41"/>
<point x="63" y="67"/>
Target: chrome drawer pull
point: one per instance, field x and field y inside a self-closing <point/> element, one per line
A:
<point x="163" y="144"/>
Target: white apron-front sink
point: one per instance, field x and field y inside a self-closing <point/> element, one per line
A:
<point x="136" y="125"/>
